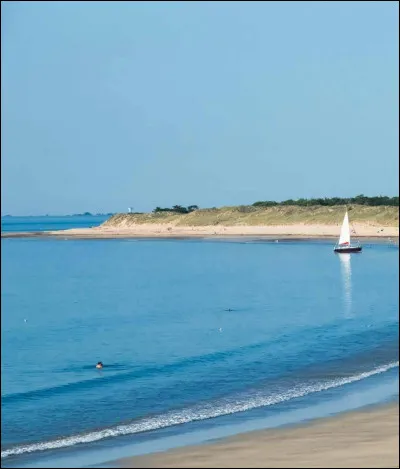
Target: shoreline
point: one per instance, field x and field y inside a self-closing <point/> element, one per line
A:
<point x="300" y="231"/>
<point x="367" y="437"/>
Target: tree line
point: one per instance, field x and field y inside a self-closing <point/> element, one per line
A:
<point x="327" y="202"/>
<point x="332" y="201"/>
<point x="177" y="209"/>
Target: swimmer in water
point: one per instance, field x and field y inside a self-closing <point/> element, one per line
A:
<point x="99" y="365"/>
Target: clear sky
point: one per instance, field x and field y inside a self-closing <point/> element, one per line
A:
<point x="107" y="105"/>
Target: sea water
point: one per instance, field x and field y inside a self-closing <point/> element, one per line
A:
<point x="195" y="336"/>
<point x="50" y="223"/>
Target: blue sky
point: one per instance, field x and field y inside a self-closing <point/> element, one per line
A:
<point x="107" y="105"/>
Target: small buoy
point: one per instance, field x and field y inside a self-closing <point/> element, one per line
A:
<point x="220" y="329"/>
<point x="25" y="320"/>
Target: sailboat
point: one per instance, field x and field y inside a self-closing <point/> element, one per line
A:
<point x="344" y="244"/>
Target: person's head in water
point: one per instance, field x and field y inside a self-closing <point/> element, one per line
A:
<point x="99" y="365"/>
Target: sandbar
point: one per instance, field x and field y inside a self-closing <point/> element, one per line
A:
<point x="165" y="230"/>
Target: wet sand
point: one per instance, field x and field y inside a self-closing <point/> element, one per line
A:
<point x="365" y="438"/>
<point x="172" y="231"/>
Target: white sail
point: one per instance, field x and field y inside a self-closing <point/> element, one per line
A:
<point x="345" y="231"/>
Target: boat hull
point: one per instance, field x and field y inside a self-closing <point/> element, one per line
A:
<point x="348" y="249"/>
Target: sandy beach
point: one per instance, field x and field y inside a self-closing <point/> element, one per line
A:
<point x="165" y="230"/>
<point x="365" y="438"/>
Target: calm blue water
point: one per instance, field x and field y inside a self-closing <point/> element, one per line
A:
<point x="50" y="223"/>
<point x="303" y="322"/>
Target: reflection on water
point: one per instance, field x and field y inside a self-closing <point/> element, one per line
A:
<point x="345" y="264"/>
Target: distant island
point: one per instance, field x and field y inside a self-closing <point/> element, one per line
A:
<point x="369" y="216"/>
<point x="88" y="214"/>
<point x="85" y="214"/>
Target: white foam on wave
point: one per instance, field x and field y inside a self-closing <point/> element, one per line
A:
<point x="195" y="413"/>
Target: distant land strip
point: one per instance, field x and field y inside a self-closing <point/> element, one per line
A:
<point x="251" y="215"/>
